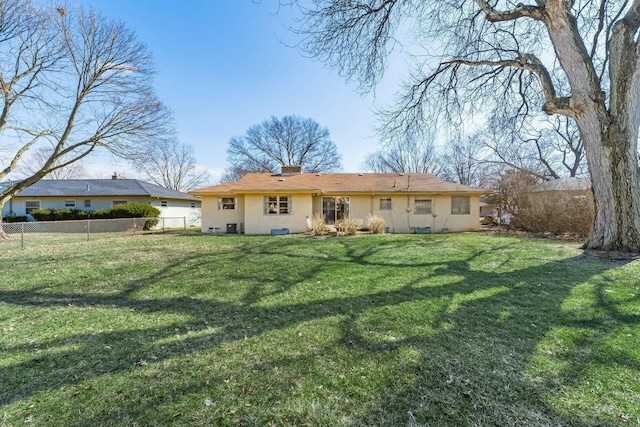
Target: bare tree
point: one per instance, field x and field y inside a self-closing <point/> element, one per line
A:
<point x="172" y="164"/>
<point x="549" y="148"/>
<point x="578" y="59"/>
<point x="40" y="156"/>
<point x="406" y="154"/>
<point x="72" y="81"/>
<point x="291" y="140"/>
<point x="463" y="162"/>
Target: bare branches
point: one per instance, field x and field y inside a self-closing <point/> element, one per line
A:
<point x="520" y="11"/>
<point x="172" y="164"/>
<point x="291" y="140"/>
<point x="408" y="154"/>
<point x="78" y="78"/>
<point x="352" y="37"/>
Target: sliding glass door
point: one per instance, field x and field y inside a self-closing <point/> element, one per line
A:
<point x="335" y="208"/>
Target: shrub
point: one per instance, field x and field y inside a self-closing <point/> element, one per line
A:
<point x="42" y="214"/>
<point x="133" y="210"/>
<point x="350" y="225"/>
<point x="58" y="214"/>
<point x="318" y="225"/>
<point x="100" y="214"/>
<point x="137" y="210"/>
<point x="556" y="213"/>
<point x="15" y="218"/>
<point x="376" y="224"/>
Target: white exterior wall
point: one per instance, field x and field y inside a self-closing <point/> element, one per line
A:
<point x="175" y="208"/>
<point x="260" y="223"/>
<point x="215" y="220"/>
<point x="179" y="209"/>
<point x="402" y="219"/>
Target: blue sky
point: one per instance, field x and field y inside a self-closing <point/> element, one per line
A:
<point x="223" y="66"/>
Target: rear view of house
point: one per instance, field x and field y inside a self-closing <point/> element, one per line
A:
<point x="259" y="203"/>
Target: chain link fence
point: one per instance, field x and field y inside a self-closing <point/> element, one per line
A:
<point x="18" y="235"/>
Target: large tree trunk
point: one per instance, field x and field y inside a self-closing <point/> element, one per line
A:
<point x="615" y="181"/>
<point x="609" y="132"/>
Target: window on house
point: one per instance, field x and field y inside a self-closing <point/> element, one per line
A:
<point x="461" y="205"/>
<point x="193" y="204"/>
<point x="422" y="207"/>
<point x="385" y="203"/>
<point x="69" y="203"/>
<point x="119" y="202"/>
<point x="31" y="205"/>
<point x="163" y="203"/>
<point x="87" y="203"/>
<point x="224" y="203"/>
<point x="277" y="205"/>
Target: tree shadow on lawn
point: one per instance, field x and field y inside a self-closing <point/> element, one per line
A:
<point x="472" y="368"/>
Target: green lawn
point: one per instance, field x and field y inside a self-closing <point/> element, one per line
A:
<point x="389" y="330"/>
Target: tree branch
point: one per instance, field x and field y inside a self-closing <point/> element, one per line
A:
<point x="553" y="104"/>
<point x="520" y="11"/>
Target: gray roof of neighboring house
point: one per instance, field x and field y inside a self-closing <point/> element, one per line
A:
<point x="564" y="184"/>
<point x="99" y="188"/>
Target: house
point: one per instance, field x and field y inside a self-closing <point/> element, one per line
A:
<point x="570" y="185"/>
<point x="93" y="194"/>
<point x="411" y="202"/>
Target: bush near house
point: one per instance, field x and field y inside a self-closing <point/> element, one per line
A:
<point x="14" y="218"/>
<point x="58" y="214"/>
<point x="376" y="224"/>
<point x="133" y="210"/>
<point x="318" y="225"/>
<point x="350" y="225"/>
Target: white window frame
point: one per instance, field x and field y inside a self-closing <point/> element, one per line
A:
<point x="28" y="209"/>
<point x="70" y="203"/>
<point x="423" y="206"/>
<point x="278" y="205"/>
<point x="226" y="203"/>
<point x="386" y="204"/>
<point x="87" y="203"/>
<point x="460" y="205"/>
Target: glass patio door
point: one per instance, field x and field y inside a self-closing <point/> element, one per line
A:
<point x="335" y="208"/>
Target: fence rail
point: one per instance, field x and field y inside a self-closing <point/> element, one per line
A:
<point x="21" y="234"/>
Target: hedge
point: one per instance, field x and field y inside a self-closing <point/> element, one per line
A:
<point x="133" y="210"/>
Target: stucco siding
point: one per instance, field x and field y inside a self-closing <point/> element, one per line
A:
<point x="260" y="223"/>
<point x="215" y="220"/>
<point x="401" y="218"/>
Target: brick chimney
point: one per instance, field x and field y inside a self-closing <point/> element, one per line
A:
<point x="291" y="170"/>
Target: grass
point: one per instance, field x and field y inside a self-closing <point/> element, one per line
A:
<point x="386" y="330"/>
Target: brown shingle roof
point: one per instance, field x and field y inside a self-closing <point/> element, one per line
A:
<point x="339" y="183"/>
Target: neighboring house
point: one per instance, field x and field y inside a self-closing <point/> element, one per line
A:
<point x="260" y="203"/>
<point x="572" y="185"/>
<point x="93" y="194"/>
